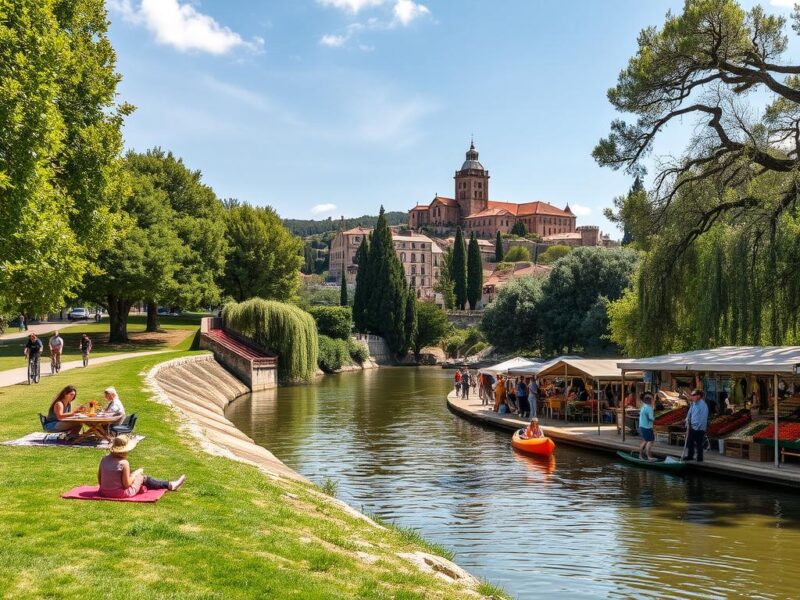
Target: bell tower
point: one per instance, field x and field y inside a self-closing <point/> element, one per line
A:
<point x="472" y="185"/>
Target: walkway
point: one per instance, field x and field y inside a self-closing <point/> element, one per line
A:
<point x="39" y="329"/>
<point x="15" y="376"/>
<point x="607" y="440"/>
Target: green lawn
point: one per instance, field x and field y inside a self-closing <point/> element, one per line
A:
<point x="230" y="532"/>
<point x="175" y="334"/>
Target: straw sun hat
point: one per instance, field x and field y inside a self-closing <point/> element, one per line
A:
<point x="122" y="444"/>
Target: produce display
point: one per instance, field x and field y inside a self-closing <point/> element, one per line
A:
<point x="672" y="417"/>
<point x="787" y="432"/>
<point x="727" y="423"/>
<point x="747" y="432"/>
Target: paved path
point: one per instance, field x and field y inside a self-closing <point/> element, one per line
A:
<point x="15" y="376"/>
<point x="39" y="329"/>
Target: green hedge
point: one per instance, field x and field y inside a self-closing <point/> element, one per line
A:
<point x="358" y="351"/>
<point x="333" y="321"/>
<point x="333" y="354"/>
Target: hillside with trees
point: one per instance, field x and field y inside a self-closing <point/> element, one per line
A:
<point x="308" y="227"/>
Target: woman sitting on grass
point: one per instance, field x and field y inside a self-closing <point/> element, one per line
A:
<point x="115" y="477"/>
<point x="61" y="408"/>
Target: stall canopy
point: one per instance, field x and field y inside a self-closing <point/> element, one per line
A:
<point x="728" y="359"/>
<point x="534" y="369"/>
<point x="587" y="368"/>
<point x="504" y="367"/>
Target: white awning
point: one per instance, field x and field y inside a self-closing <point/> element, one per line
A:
<point x="728" y="359"/>
<point x="536" y="368"/>
<point x="504" y="367"/>
<point x="589" y="368"/>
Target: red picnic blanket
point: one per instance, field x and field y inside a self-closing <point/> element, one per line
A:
<point x="92" y="492"/>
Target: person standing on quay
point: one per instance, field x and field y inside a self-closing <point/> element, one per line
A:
<point x="465" y="382"/>
<point x="499" y="393"/>
<point x="696" y="423"/>
<point x="646" y="420"/>
<point x="457" y="378"/>
<point x="533" y="397"/>
<point x="522" y="398"/>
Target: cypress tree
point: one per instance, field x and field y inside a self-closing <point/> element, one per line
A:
<point x="519" y="229"/>
<point x="498" y="248"/>
<point x="411" y="318"/>
<point x="474" y="273"/>
<point x="361" y="296"/>
<point x="343" y="290"/>
<point x="458" y="271"/>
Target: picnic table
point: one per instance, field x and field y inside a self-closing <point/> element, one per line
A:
<point x="93" y="425"/>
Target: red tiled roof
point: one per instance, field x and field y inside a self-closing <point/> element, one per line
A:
<point x="357" y="231"/>
<point x="530" y="208"/>
<point x="445" y="201"/>
<point x="490" y="212"/>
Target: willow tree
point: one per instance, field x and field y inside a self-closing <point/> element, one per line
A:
<point x="284" y="329"/>
<point x="730" y="200"/>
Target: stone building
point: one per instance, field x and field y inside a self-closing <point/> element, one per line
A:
<point x="420" y="256"/>
<point x="585" y="235"/>
<point x="473" y="211"/>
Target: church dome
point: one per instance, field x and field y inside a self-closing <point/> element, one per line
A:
<point x="472" y="161"/>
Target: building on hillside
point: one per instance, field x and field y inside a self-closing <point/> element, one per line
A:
<point x="473" y="211"/>
<point x="585" y="235"/>
<point x="486" y="247"/>
<point x="493" y="281"/>
<point x="420" y="256"/>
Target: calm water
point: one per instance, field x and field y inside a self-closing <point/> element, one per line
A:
<point x="581" y="525"/>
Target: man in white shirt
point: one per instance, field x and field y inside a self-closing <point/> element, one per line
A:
<point x="56" y="346"/>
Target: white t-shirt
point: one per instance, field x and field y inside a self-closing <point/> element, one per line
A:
<point x="116" y="407"/>
<point x="56" y="342"/>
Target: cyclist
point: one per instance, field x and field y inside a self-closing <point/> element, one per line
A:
<point x="33" y="349"/>
<point x="86" y="348"/>
<point x="56" y="346"/>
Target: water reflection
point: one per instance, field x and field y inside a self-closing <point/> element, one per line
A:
<point x="579" y="525"/>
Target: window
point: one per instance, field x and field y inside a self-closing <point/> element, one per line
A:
<point x="402" y="257"/>
<point x="413" y="281"/>
<point x="413" y="245"/>
<point x="413" y="257"/>
<point x="423" y="269"/>
<point x="413" y="269"/>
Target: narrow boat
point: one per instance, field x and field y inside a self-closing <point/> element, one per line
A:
<point x="673" y="465"/>
<point x="542" y="446"/>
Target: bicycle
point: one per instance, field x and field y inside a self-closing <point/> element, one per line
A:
<point x="55" y="363"/>
<point x="34" y="373"/>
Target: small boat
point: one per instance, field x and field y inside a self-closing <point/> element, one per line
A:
<point x="542" y="446"/>
<point x="670" y="464"/>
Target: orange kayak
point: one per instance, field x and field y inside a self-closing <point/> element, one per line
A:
<point x="542" y="446"/>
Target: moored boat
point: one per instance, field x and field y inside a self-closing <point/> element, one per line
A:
<point x="542" y="446"/>
<point x="672" y="466"/>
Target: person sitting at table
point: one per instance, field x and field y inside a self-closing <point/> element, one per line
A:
<point x="114" y="404"/>
<point x="533" y="430"/>
<point x="60" y="409"/>
<point x="114" y="473"/>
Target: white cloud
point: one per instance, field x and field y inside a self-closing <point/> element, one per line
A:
<point x="783" y="3"/>
<point x="579" y="210"/>
<point x="182" y="26"/>
<point x="352" y="6"/>
<point x="406" y="11"/>
<point x="243" y="95"/>
<point x="333" y="41"/>
<point x="322" y="208"/>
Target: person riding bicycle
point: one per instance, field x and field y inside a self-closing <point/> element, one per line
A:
<point x="56" y="344"/>
<point x="33" y="348"/>
<point x="86" y="345"/>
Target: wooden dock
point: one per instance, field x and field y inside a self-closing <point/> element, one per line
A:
<point x="608" y="440"/>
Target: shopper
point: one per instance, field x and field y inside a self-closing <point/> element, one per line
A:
<point x="646" y="419"/>
<point x="696" y="423"/>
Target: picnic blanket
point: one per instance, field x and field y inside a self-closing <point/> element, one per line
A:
<point x="92" y="492"/>
<point x="41" y="439"/>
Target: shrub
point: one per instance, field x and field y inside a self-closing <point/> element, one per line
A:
<point x="334" y="321"/>
<point x="333" y="354"/>
<point x="281" y="328"/>
<point x="358" y="351"/>
<point x="518" y="254"/>
<point x="476" y="348"/>
<point x="553" y="253"/>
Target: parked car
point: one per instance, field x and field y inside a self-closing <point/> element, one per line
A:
<point x="165" y="312"/>
<point x="78" y="314"/>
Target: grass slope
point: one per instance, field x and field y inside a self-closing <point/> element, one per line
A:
<point x="231" y="532"/>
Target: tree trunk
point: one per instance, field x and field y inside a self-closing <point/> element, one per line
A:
<point x="118" y="309"/>
<point x="152" y="316"/>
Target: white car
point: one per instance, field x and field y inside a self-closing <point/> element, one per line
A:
<point x="78" y="314"/>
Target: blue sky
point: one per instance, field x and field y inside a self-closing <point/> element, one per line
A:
<point x="333" y="107"/>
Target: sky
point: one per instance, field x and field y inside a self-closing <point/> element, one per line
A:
<point x="324" y="108"/>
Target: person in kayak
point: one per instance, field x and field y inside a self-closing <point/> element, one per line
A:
<point x="533" y="430"/>
<point x="646" y="420"/>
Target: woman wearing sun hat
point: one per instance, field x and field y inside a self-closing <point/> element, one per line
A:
<point x="115" y="477"/>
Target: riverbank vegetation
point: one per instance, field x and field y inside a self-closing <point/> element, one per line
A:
<point x="230" y="532"/>
<point x="719" y="225"/>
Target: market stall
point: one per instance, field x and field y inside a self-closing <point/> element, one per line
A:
<point x="504" y="367"/>
<point x="740" y="383"/>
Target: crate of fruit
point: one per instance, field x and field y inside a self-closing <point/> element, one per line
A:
<point x="725" y="424"/>
<point x="746" y="433"/>
<point x="787" y="432"/>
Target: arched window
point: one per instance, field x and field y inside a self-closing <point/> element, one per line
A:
<point x="402" y="257"/>
<point x="413" y="257"/>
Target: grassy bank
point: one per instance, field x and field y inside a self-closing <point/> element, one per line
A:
<point x="231" y="532"/>
<point x="175" y="334"/>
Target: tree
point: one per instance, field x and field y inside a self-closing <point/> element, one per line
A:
<point x="432" y="326"/>
<point x="474" y="273"/>
<point x="60" y="137"/>
<point x="572" y="290"/>
<point x="518" y="254"/>
<point x="553" y="253"/>
<point x="519" y="229"/>
<point x="498" y="247"/>
<point x="335" y="322"/>
<point x="363" y="286"/>
<point x="411" y="322"/>
<point x="264" y="259"/>
<point x="458" y="270"/>
<point x="444" y="285"/>
<point x="343" y="301"/>
<point x="513" y="321"/>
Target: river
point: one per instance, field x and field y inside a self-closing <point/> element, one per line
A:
<point x="582" y="525"/>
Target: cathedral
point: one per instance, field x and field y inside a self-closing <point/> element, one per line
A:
<point x="471" y="209"/>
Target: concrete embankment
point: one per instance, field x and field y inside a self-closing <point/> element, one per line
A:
<point x="606" y="439"/>
<point x="200" y="389"/>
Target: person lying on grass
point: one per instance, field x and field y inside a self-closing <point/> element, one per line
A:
<point x="60" y="409"/>
<point x="115" y="477"/>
